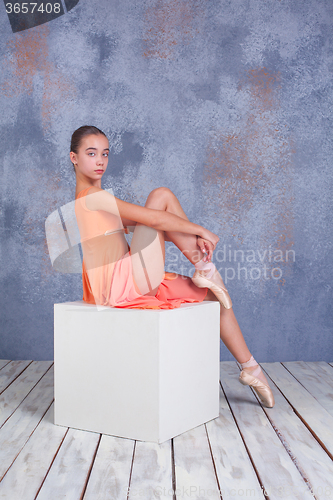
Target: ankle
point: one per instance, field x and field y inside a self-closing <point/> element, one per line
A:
<point x="201" y="263"/>
<point x="250" y="363"/>
<point x="205" y="266"/>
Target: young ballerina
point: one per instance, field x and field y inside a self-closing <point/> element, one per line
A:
<point x="117" y="275"/>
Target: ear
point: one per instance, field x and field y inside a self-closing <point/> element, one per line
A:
<point x="72" y="156"/>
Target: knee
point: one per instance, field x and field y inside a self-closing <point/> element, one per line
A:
<point x="162" y="191"/>
<point x="160" y="195"/>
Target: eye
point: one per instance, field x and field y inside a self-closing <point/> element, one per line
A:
<point x="91" y="153"/>
<point x="106" y="154"/>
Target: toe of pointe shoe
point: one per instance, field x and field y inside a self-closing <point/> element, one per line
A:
<point x="264" y="391"/>
<point x="221" y="293"/>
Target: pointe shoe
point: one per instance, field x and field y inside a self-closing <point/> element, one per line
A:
<point x="200" y="279"/>
<point x="264" y="391"/>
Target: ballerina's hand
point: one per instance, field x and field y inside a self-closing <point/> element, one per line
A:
<point x="208" y="235"/>
<point x="206" y="247"/>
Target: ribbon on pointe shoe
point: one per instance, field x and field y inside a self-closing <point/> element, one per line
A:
<point x="263" y="390"/>
<point x="203" y="266"/>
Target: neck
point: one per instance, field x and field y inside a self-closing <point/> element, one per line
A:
<point x="82" y="181"/>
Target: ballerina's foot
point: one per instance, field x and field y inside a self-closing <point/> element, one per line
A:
<point x="260" y="374"/>
<point x="211" y="278"/>
<point x="255" y="378"/>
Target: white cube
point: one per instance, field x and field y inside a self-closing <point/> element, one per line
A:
<point x="141" y="374"/>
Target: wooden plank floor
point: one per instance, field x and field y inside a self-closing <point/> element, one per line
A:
<point x="247" y="452"/>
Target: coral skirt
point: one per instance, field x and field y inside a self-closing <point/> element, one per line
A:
<point x="116" y="288"/>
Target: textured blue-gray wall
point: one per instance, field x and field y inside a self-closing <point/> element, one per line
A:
<point x="227" y="103"/>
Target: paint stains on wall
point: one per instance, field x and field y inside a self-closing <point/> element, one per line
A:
<point x="169" y="25"/>
<point x="184" y="86"/>
<point x="250" y="171"/>
<point x="27" y="61"/>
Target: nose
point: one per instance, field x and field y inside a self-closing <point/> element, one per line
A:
<point x="100" y="160"/>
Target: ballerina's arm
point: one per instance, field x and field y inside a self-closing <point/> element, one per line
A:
<point x="99" y="199"/>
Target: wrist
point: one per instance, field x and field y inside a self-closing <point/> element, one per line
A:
<point x="199" y="232"/>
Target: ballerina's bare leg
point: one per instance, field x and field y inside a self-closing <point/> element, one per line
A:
<point x="148" y="258"/>
<point x="164" y="199"/>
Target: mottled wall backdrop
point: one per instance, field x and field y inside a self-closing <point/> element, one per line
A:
<point x="227" y="103"/>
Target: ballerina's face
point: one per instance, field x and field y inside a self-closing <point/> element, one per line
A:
<point x="92" y="156"/>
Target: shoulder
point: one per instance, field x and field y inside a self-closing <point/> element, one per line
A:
<point x="83" y="191"/>
<point x="92" y="193"/>
<point x="94" y="189"/>
<point x="99" y="199"/>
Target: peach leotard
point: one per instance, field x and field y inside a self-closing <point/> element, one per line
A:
<point x="107" y="277"/>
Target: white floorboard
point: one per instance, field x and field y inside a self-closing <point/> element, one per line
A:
<point x="249" y="451"/>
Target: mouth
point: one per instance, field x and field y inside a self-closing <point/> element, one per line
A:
<point x="99" y="171"/>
